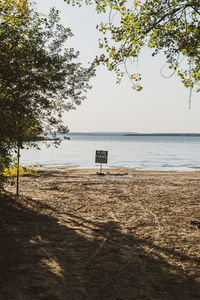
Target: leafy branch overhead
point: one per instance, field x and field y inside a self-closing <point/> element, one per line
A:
<point x="172" y="26"/>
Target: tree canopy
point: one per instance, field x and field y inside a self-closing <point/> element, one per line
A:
<point x="40" y="78"/>
<point x="171" y="26"/>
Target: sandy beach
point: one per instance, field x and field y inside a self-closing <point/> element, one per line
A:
<point x="73" y="234"/>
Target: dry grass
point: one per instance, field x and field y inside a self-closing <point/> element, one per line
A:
<point x="76" y="235"/>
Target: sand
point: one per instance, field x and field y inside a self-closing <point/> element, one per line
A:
<point x="73" y="234"/>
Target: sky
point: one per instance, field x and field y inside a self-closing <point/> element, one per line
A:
<point x="162" y="106"/>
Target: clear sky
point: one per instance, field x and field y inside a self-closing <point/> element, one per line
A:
<point x="162" y="106"/>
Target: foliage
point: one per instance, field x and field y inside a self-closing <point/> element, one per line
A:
<point x="169" y="25"/>
<point x="42" y="80"/>
<point x="5" y="159"/>
<point x="23" y="171"/>
<point x="11" y="11"/>
<point x="39" y="77"/>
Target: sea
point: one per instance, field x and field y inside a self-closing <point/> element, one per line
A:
<point x="162" y="153"/>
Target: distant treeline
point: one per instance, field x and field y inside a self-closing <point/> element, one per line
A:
<point x="40" y="138"/>
<point x="164" y="134"/>
<point x="44" y="138"/>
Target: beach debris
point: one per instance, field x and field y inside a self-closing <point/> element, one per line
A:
<point x="100" y="173"/>
<point x="195" y="223"/>
<point x="119" y="175"/>
<point x="54" y="187"/>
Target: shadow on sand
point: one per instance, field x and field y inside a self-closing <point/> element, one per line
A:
<point x="44" y="258"/>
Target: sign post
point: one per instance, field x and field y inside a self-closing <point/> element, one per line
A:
<point x="101" y="158"/>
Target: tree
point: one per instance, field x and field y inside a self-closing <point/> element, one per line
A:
<point x="39" y="78"/>
<point x="42" y="79"/>
<point x="172" y="26"/>
<point x="11" y="12"/>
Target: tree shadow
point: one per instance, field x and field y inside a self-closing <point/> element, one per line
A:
<point x="43" y="257"/>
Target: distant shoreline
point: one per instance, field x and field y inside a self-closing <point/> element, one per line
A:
<point x="165" y="134"/>
<point x="134" y="134"/>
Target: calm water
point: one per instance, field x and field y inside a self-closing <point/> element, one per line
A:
<point x="138" y="152"/>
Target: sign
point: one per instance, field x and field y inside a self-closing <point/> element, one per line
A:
<point x="101" y="157"/>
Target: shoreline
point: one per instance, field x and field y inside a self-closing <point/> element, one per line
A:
<point x="49" y="167"/>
